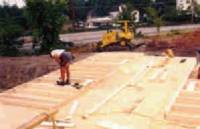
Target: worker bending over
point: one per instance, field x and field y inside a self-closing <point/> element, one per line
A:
<point x="64" y="59"/>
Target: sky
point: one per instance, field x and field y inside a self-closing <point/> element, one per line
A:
<point x="19" y="3"/>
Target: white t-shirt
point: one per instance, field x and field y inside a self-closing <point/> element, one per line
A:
<point x="56" y="53"/>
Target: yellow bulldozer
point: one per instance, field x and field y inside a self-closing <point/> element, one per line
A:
<point x="114" y="38"/>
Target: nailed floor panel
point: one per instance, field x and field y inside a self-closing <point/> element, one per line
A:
<point x="121" y="91"/>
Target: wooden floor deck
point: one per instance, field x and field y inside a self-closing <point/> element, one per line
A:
<point x="117" y="86"/>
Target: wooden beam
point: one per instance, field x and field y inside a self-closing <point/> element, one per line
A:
<point x="37" y="120"/>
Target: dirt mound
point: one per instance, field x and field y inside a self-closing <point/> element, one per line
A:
<point x="185" y="44"/>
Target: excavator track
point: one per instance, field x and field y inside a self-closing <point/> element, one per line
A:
<point x="114" y="47"/>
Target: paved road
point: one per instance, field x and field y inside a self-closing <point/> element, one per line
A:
<point x="88" y="37"/>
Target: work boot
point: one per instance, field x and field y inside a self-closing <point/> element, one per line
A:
<point x="67" y="82"/>
<point x="62" y="83"/>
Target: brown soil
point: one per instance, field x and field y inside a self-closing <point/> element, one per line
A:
<point x="183" y="45"/>
<point x="17" y="70"/>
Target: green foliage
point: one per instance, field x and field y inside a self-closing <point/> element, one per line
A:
<point x="155" y="18"/>
<point x="9" y="32"/>
<point x="46" y="19"/>
<point x="127" y="14"/>
<point x="197" y="8"/>
<point x="11" y="29"/>
<point x="14" y="13"/>
<point x="171" y="13"/>
<point x="80" y="10"/>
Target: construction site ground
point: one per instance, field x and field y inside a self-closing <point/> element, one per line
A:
<point x="17" y="70"/>
<point x="120" y="90"/>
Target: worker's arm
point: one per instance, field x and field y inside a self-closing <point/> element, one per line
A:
<point x="57" y="60"/>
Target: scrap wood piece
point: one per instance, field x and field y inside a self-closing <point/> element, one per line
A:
<point x="136" y="78"/>
<point x="34" y="122"/>
<point x="38" y="119"/>
<point x="72" y="110"/>
<point x="59" y="124"/>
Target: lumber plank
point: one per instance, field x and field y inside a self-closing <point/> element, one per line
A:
<point x="37" y="120"/>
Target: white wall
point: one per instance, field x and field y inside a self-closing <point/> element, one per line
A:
<point x="198" y="1"/>
<point x="183" y="4"/>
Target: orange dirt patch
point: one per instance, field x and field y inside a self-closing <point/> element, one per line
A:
<point x="184" y="45"/>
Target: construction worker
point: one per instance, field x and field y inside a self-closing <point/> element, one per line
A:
<point x="64" y="59"/>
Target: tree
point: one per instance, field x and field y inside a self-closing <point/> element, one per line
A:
<point x="127" y="14"/>
<point x="198" y="10"/>
<point x="10" y="30"/>
<point x="155" y="18"/>
<point x="170" y="14"/>
<point x="46" y="19"/>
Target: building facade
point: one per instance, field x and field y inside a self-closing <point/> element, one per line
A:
<point x="184" y="5"/>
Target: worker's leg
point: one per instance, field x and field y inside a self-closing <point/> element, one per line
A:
<point x="67" y="73"/>
<point x="62" y="73"/>
<point x="62" y="76"/>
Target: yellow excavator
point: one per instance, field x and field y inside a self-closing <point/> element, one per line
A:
<point x="114" y="38"/>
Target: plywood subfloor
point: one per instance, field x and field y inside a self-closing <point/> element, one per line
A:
<point x="130" y="72"/>
<point x="185" y="111"/>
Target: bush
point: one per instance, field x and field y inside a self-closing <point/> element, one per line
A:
<point x="9" y="32"/>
